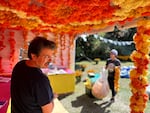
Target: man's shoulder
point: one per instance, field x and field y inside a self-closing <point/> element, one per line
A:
<point x="41" y="77"/>
<point x="20" y="63"/>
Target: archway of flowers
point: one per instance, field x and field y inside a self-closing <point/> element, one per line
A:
<point x="75" y="17"/>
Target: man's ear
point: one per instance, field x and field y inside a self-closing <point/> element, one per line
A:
<point x="33" y="56"/>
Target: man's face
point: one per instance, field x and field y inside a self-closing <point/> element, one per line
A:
<point x="112" y="56"/>
<point x="44" y="58"/>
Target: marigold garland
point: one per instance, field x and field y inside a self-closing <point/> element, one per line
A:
<point x="25" y="40"/>
<point x="116" y="79"/>
<point x="2" y="46"/>
<point x="12" y="48"/>
<point x="72" y="16"/>
<point x="1" y="70"/>
<point x="138" y="75"/>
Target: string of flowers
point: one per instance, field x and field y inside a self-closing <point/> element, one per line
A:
<point x="77" y="13"/>
<point x="25" y="39"/>
<point x="70" y="49"/>
<point x="72" y="16"/>
<point x="138" y="75"/>
<point x="128" y="11"/>
<point x="1" y="70"/>
<point x="2" y="46"/>
<point x="116" y="79"/>
<point x="12" y="48"/>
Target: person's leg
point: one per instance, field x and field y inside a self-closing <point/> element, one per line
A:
<point x="111" y="85"/>
<point x="113" y="92"/>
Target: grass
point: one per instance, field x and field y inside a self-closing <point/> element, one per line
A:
<point x="79" y="102"/>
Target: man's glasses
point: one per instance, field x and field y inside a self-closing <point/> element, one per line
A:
<point x="47" y="57"/>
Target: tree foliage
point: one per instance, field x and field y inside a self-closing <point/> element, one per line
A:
<point x="91" y="47"/>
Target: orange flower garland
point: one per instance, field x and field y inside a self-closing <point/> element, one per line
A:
<point x="2" y="46"/>
<point x="12" y="48"/>
<point x="117" y="77"/>
<point x="1" y="70"/>
<point x="8" y="18"/>
<point x="25" y="40"/>
<point x="71" y="16"/>
<point x="57" y="11"/>
<point x="139" y="74"/>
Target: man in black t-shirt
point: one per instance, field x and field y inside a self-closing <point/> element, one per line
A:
<point x="110" y="65"/>
<point x="30" y="88"/>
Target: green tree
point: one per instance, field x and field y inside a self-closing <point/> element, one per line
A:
<point x="93" y="47"/>
<point x="124" y="35"/>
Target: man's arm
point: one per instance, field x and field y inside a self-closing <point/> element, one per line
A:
<point x="48" y="108"/>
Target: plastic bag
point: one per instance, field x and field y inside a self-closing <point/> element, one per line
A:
<point x="100" y="88"/>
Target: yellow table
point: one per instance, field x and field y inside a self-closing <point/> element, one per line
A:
<point x="58" y="107"/>
<point x="62" y="83"/>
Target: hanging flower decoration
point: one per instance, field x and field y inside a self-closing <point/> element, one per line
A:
<point x="1" y="70"/>
<point x="9" y="19"/>
<point x="139" y="74"/>
<point x="25" y="39"/>
<point x="2" y="46"/>
<point x="116" y="79"/>
<point x="72" y="16"/>
<point x="12" y="48"/>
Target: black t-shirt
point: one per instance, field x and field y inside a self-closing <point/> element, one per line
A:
<point x="110" y="64"/>
<point x="30" y="89"/>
